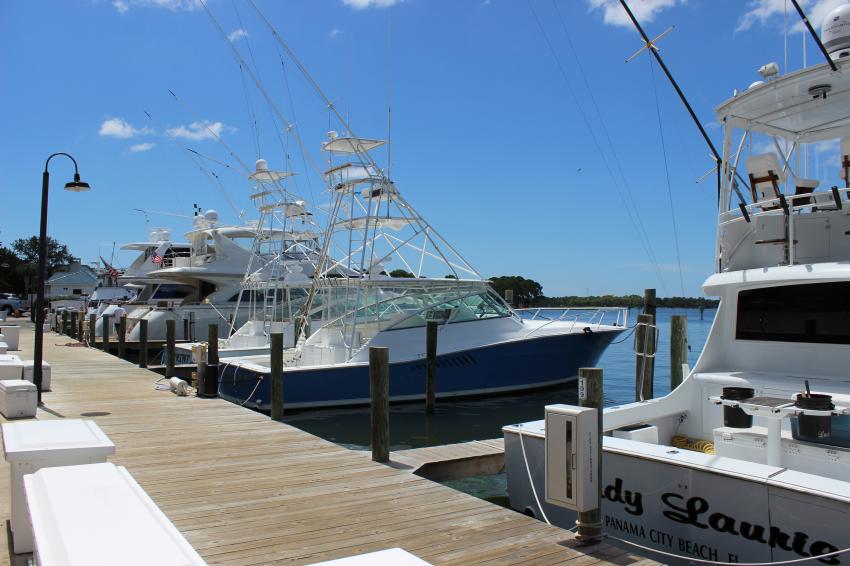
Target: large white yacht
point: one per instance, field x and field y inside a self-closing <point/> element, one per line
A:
<point x="748" y="460"/>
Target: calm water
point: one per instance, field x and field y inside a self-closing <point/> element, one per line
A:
<point x="478" y="419"/>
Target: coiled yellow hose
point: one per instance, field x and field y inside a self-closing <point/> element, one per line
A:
<point x="694" y="444"/>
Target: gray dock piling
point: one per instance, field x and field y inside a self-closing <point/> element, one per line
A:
<point x="143" y="343"/>
<point x="276" y="375"/>
<point x="170" y="329"/>
<point x="589" y="523"/>
<point x="644" y="357"/>
<point x="122" y="336"/>
<point x="430" y="366"/>
<point x="92" y="323"/>
<point x="678" y="348"/>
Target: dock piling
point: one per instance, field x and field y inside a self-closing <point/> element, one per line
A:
<point x="649" y="302"/>
<point x="143" y="343"/>
<point x="105" y="323"/>
<point x="678" y="348"/>
<point x="64" y="326"/>
<point x="430" y="366"/>
<point x="92" y="324"/>
<point x="379" y="387"/>
<point x="73" y="330"/>
<point x="276" y="375"/>
<point x="122" y="336"/>
<point x="212" y="338"/>
<point x="186" y="329"/>
<point x="170" y="329"/>
<point x="81" y="326"/>
<point x="208" y="378"/>
<point x="644" y="356"/>
<point x="589" y="523"/>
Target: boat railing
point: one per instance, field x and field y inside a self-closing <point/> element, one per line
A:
<point x="594" y="316"/>
<point x="790" y="206"/>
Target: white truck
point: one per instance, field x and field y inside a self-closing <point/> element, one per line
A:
<point x="10" y="303"/>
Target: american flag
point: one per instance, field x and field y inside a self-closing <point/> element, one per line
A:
<point x="156" y="258"/>
<point x="113" y="273"/>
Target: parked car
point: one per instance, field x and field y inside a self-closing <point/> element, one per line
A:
<point x="10" y="303"/>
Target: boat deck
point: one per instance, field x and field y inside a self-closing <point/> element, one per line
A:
<point x="247" y="490"/>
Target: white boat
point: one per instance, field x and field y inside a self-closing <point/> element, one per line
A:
<point x="484" y="347"/>
<point x="743" y="462"/>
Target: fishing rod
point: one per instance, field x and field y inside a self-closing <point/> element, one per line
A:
<point x="814" y="35"/>
<point x="654" y="50"/>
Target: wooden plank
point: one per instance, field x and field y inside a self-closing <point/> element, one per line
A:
<point x="246" y="490"/>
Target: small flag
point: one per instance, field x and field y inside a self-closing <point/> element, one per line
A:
<point x="113" y="273"/>
<point x="156" y="258"/>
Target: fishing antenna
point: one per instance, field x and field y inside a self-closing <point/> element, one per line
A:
<point x="814" y="35"/>
<point x="654" y="50"/>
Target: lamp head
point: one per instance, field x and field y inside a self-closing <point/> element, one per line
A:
<point x="76" y="185"/>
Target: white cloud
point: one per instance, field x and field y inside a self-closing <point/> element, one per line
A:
<point x="140" y="147"/>
<point x="237" y="34"/>
<point x="121" y="129"/>
<point x="202" y="130"/>
<point x="174" y="5"/>
<point x="644" y="10"/>
<point x="334" y="32"/>
<point x="363" y="4"/>
<point x="760" y="11"/>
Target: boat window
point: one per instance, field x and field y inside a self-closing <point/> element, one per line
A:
<point x="172" y="292"/>
<point x="817" y="313"/>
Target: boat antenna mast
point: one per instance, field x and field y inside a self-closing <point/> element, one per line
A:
<point x="650" y="45"/>
<point x="814" y="35"/>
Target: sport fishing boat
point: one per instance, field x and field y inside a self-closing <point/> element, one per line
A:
<point x="748" y="460"/>
<point x="484" y="347"/>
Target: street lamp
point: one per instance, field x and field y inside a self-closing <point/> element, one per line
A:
<point x="76" y="186"/>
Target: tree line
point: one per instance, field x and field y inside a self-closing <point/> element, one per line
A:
<point x="19" y="263"/>
<point x="529" y="293"/>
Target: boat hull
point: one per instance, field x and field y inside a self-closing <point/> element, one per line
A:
<point x="497" y="368"/>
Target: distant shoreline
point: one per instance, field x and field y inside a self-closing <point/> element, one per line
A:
<point x="633" y="301"/>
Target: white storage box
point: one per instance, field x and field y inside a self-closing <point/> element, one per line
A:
<point x="11" y="336"/>
<point x="32" y="445"/>
<point x="11" y="367"/>
<point x="3" y="347"/>
<point x="98" y="515"/>
<point x="29" y="365"/>
<point x="18" y="398"/>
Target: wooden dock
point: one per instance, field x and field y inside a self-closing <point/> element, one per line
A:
<point x="453" y="461"/>
<point x="247" y="490"/>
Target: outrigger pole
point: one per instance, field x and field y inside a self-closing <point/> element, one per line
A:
<point x="654" y="50"/>
<point x="814" y="35"/>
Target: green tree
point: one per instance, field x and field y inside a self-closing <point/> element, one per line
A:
<point x="526" y="291"/>
<point x="401" y="273"/>
<point x="11" y="272"/>
<point x="26" y="249"/>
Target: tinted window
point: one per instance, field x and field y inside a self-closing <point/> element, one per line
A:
<point x="816" y="313"/>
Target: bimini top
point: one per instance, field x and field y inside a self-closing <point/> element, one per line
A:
<point x="809" y="105"/>
<point x="351" y="145"/>
<point x="142" y="246"/>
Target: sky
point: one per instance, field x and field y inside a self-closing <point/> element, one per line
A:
<point x="518" y="130"/>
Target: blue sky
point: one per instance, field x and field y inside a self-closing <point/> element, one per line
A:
<point x="488" y="141"/>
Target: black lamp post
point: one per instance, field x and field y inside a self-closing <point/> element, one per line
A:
<point x="76" y="186"/>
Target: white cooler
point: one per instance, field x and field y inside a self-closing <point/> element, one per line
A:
<point x="18" y="398"/>
<point x="99" y="515"/>
<point x="29" y="365"/>
<point x="11" y="336"/>
<point x="32" y="445"/>
<point x="11" y="367"/>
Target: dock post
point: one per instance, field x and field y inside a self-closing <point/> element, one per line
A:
<point x="169" y="347"/>
<point x="276" y="375"/>
<point x="208" y="377"/>
<point x="143" y="343"/>
<point x="81" y="326"/>
<point x="186" y="329"/>
<point x="430" y="366"/>
<point x="649" y="303"/>
<point x="73" y="329"/>
<point x="678" y="348"/>
<point x="644" y="356"/>
<point x="92" y="324"/>
<point x="589" y="523"/>
<point x="379" y="387"/>
<point x="64" y="326"/>
<point x="105" y="330"/>
<point x="122" y="336"/>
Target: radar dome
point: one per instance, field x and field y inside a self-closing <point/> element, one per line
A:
<point x="211" y="216"/>
<point x="835" y="32"/>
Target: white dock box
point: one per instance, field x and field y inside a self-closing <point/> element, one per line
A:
<point x="45" y="373"/>
<point x="18" y="398"/>
<point x="32" y="445"/>
<point x="98" y="515"/>
<point x="11" y="336"/>
<point x="11" y="367"/>
<point x="572" y="457"/>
